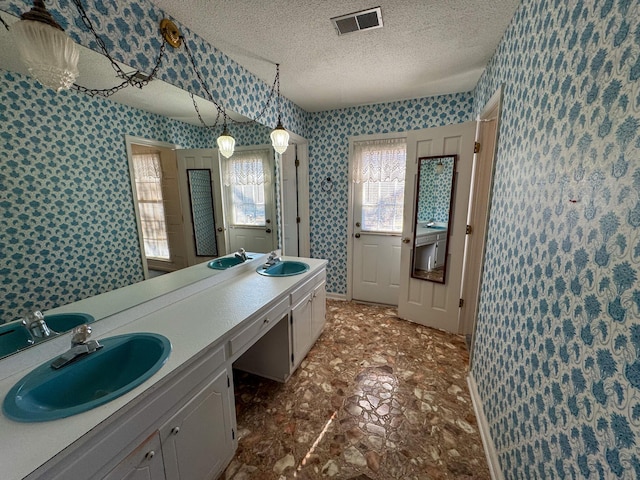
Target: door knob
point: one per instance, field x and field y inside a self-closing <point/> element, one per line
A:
<point x="357" y="235"/>
<point x="268" y="230"/>
<point x="220" y="229"/>
<point x="406" y="240"/>
<point x="357" y="224"/>
<point x="175" y="430"/>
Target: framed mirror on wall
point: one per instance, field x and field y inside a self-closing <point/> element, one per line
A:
<point x="434" y="203"/>
<point x="203" y="220"/>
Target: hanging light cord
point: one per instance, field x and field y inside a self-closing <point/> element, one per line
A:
<point x="4" y="23"/>
<point x="220" y="108"/>
<point x="129" y="78"/>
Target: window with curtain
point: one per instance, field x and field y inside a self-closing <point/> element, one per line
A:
<point x="379" y="167"/>
<point x="246" y="176"/>
<point x="148" y="178"/>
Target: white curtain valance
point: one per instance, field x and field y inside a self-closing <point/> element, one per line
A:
<point x="146" y="166"/>
<point x="247" y="168"/>
<point x="380" y="160"/>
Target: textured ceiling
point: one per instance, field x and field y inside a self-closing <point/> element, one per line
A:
<point x="427" y="47"/>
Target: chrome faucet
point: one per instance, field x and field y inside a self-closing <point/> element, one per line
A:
<point x="272" y="259"/>
<point x="80" y="347"/>
<point x="241" y="255"/>
<point x="36" y="325"/>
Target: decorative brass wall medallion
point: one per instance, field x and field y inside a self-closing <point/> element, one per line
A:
<point x="170" y="33"/>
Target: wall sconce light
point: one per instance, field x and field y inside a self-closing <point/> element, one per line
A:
<point x="47" y="52"/>
<point x="279" y="136"/>
<point x="226" y="142"/>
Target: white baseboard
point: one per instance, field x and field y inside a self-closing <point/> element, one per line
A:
<point x="485" y="435"/>
<point x="337" y="296"/>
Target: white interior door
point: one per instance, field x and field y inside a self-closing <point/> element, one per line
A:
<point x="201" y="158"/>
<point x="428" y="303"/>
<point x="377" y="203"/>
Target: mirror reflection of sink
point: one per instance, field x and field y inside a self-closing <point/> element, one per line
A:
<point x="14" y="336"/>
<point x="123" y="363"/>
<point x="63" y="322"/>
<point x="285" y="268"/>
<point x="225" y="262"/>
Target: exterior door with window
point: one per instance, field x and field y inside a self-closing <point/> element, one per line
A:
<point x="377" y="174"/>
<point x="249" y="200"/>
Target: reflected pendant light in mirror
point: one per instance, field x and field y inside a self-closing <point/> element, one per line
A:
<point x="47" y="52"/>
<point x="226" y="143"/>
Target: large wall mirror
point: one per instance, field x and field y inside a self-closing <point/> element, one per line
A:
<point x="71" y="229"/>
<point x="434" y="202"/>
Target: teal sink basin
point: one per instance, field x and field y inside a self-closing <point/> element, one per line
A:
<point x="63" y="322"/>
<point x="286" y="268"/>
<point x="123" y="363"/>
<point x="14" y="336"/>
<point x="225" y="262"/>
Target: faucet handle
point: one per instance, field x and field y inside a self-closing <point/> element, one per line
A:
<point x="80" y="334"/>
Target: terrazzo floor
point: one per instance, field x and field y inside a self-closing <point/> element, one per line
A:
<point x="376" y="398"/>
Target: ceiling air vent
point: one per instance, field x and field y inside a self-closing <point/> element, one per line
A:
<point x="355" y="22"/>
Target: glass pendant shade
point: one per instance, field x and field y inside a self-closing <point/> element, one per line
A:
<point x="280" y="138"/>
<point x="439" y="168"/>
<point x="47" y="52"/>
<point x="226" y="144"/>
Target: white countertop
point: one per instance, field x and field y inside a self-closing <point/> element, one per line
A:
<point x="422" y="229"/>
<point x="192" y="322"/>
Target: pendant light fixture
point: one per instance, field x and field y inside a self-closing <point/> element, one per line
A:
<point x="226" y="143"/>
<point x="439" y="167"/>
<point x="279" y="136"/>
<point x="47" y="52"/>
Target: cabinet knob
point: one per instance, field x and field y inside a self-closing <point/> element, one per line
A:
<point x="150" y="454"/>
<point x="175" y="430"/>
<point x="265" y="321"/>
<point x="406" y="240"/>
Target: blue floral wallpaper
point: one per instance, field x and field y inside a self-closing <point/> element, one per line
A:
<point x="434" y="190"/>
<point x="67" y="223"/>
<point x="328" y="137"/>
<point x="557" y="352"/>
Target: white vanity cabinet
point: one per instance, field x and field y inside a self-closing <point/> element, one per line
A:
<point x="197" y="442"/>
<point x="144" y="463"/>
<point x="307" y="317"/>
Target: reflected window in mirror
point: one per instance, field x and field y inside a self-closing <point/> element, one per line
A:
<point x="148" y="179"/>
<point x="246" y="175"/>
<point x="433" y="205"/>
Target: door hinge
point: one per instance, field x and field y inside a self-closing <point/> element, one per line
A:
<point x="297" y="219"/>
<point x="292" y="358"/>
<point x="469" y="229"/>
<point x="461" y="303"/>
<point x="233" y="434"/>
<point x="297" y="163"/>
<point x="228" y="382"/>
<point x="476" y="147"/>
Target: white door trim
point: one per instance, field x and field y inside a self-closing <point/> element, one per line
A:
<point x="128" y="140"/>
<point x="478" y="215"/>
<point x="304" y="232"/>
<point x="350" y="210"/>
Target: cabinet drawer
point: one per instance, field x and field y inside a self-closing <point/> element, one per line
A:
<point x="258" y="327"/>
<point x="307" y="286"/>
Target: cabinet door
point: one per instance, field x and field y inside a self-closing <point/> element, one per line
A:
<point x="198" y="441"/>
<point x="301" y="328"/>
<point x="318" y="312"/>
<point x="144" y="463"/>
